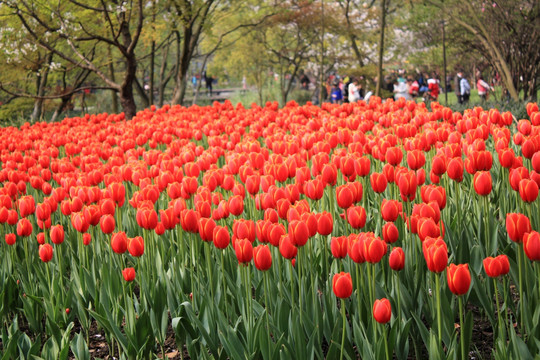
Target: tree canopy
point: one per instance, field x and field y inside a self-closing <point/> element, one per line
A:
<point x="146" y="52"/>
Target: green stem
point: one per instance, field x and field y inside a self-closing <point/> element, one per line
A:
<point x="537" y="264"/>
<point x="209" y="268"/>
<point x="385" y="342"/>
<point x="486" y="218"/>
<point x="267" y="304"/>
<point x="344" y="317"/>
<point x="461" y="340"/>
<point x="438" y="292"/>
<point x="498" y="307"/>
<point x="520" y="265"/>
<point x="223" y="284"/>
<point x="398" y="297"/>
<point x="291" y="268"/>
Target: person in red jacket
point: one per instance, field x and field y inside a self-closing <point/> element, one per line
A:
<point x="433" y="86"/>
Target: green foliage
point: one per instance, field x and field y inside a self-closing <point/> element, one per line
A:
<point x="15" y="110"/>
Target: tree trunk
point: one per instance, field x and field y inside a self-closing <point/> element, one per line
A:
<point x="42" y="83"/>
<point x="152" y="56"/>
<point x="61" y="107"/>
<point x="127" y="99"/>
<point x="381" y="50"/>
<point x="113" y="79"/>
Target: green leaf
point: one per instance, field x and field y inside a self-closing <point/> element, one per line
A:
<point x="79" y="347"/>
<point x="466" y="332"/>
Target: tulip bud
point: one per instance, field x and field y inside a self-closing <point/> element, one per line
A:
<point x="262" y="257"/>
<point x="382" y="311"/>
<point x="496" y="266"/>
<point x="342" y="285"/>
<point x="45" y="252"/>
<point x="128" y="274"/>
<point x="459" y="278"/>
<point x="57" y="234"/>
<point x="396" y="260"/>
<point x="531" y="245"/>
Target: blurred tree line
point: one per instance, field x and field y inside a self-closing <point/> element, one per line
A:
<point x="131" y="54"/>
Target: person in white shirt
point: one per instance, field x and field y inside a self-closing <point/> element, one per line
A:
<point x="464" y="89"/>
<point x="354" y="94"/>
<point x="401" y="90"/>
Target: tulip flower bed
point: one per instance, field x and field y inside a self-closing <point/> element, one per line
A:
<point x="372" y="231"/>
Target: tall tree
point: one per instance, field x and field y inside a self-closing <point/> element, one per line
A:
<point x="75" y="31"/>
<point x="505" y="33"/>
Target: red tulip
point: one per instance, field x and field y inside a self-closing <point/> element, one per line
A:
<point x="355" y="248"/>
<point x="57" y="234"/>
<point x="382" y="311"/>
<point x="298" y="232"/>
<point x="107" y="223"/>
<point x="206" y="229"/>
<point x="517" y="225"/>
<point x="496" y="266"/>
<point x="407" y="185"/>
<point x="374" y="249"/>
<point x="119" y="242"/>
<point x="221" y="237"/>
<point x="436" y="254"/>
<point x="378" y="182"/>
<point x="390" y="233"/>
<point x="136" y="246"/>
<point x="325" y="223"/>
<point x="168" y="218"/>
<point x="329" y="174"/>
<point x="24" y="227"/>
<point x="244" y="229"/>
<point x="356" y="217"/>
<point x="244" y="251"/>
<point x="40" y="238"/>
<point x="338" y="247"/>
<point x="394" y="155"/>
<point x="438" y="165"/>
<point x="314" y="189"/>
<point x="118" y="193"/>
<point x="253" y="183"/>
<point x="236" y="205"/>
<point x="27" y="206"/>
<point x="396" y="260"/>
<point x="147" y="218"/>
<point x="426" y="227"/>
<point x="287" y="248"/>
<point x="482" y="183"/>
<point x="390" y="210"/>
<point x="416" y="159"/>
<point x="459" y="278"/>
<point x="516" y="175"/>
<point x="87" y="238"/>
<point x="312" y="222"/>
<point x="128" y="274"/>
<point x="45" y="252"/>
<point x="531" y="245"/>
<point x="528" y="190"/>
<point x="342" y="285"/>
<point x="262" y="257"/>
<point x="435" y="193"/>
<point x="345" y="196"/>
<point x="455" y="169"/>
<point x="10" y="239"/>
<point x="43" y="211"/>
<point x="189" y="219"/>
<point x="79" y="222"/>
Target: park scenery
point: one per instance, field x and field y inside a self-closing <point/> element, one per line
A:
<point x="269" y="179"/>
